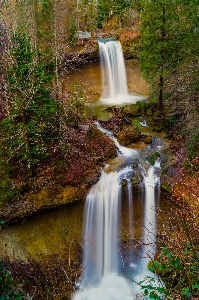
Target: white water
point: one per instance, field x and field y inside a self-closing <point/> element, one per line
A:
<point x="122" y="151"/>
<point x="149" y="236"/>
<point x="102" y="262"/>
<point x="101" y="232"/>
<point x="114" y="81"/>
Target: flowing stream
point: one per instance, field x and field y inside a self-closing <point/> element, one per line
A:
<point x="104" y="275"/>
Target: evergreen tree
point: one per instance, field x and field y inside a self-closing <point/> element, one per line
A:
<point x="160" y="41"/>
<point x="27" y="129"/>
<point x="108" y="9"/>
<point x="45" y="30"/>
<point x="169" y="31"/>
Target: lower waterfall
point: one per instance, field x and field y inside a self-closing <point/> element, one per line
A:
<point x="103" y="274"/>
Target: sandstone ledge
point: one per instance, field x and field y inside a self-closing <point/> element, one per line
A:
<point x="47" y="198"/>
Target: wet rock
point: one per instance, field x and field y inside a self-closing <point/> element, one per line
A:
<point x="128" y="135"/>
<point x="153" y="157"/>
<point x="148" y="140"/>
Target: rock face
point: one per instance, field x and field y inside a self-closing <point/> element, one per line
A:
<point x="47" y="198"/>
<point x="87" y="50"/>
<point x="68" y="181"/>
<point x="128" y="135"/>
<point x="131" y="43"/>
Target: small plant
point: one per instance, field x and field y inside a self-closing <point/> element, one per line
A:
<point x="137" y="125"/>
<point x="153" y="289"/>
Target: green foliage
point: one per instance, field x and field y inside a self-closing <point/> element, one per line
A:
<point x="180" y="274"/>
<point x="153" y="289"/>
<point x="72" y="33"/>
<point x="172" y="119"/>
<point x="7" y="189"/>
<point x="26" y="131"/>
<point x="90" y="133"/>
<point x="137" y="125"/>
<point x="45" y="31"/>
<point x="31" y="107"/>
<point x="7" y="287"/>
<point x="75" y="110"/>
<point x="168" y="31"/>
<point x="158" y="26"/>
<point x="88" y="13"/>
<point x="108" y="9"/>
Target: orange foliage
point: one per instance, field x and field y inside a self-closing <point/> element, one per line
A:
<point x="129" y="36"/>
<point x="187" y="186"/>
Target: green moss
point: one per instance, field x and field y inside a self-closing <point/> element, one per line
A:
<point x="149" y="112"/>
<point x="133" y="109"/>
<point x="153" y="157"/>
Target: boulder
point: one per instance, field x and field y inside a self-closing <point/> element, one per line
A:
<point x="148" y="140"/>
<point x="128" y="135"/>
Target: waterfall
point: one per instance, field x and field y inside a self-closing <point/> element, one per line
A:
<point x="101" y="228"/>
<point x="114" y="80"/>
<point x="112" y="58"/>
<point x="102" y="276"/>
<point x="149" y="236"/>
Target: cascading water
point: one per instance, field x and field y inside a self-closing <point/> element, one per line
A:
<point x="102" y="262"/>
<point x="104" y="269"/>
<point x="114" y="81"/>
<point x="112" y="57"/>
<point x="149" y="236"/>
<point x="101" y="232"/>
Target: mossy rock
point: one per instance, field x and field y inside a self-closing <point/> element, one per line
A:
<point x="142" y="106"/>
<point x="128" y="135"/>
<point x="136" y="179"/>
<point x="149" y="112"/>
<point x="133" y="109"/>
<point x="153" y="157"/>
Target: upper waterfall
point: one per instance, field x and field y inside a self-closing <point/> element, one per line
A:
<point x="114" y="80"/>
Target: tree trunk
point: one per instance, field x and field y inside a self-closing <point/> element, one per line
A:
<point x="161" y="83"/>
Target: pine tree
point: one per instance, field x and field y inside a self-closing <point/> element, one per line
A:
<point x="26" y="131"/>
<point x="169" y="31"/>
<point x="160" y="41"/>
